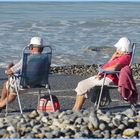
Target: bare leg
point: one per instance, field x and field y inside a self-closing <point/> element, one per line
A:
<point x="79" y="102"/>
<point x="5" y="96"/>
<point x="4" y="91"/>
<point x="11" y="97"/>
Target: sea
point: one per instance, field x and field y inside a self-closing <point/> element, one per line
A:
<point x="78" y="32"/>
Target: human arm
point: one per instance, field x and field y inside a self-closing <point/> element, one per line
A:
<point x="8" y="71"/>
<point x="14" y="68"/>
<point x="116" y="62"/>
<point x="116" y="55"/>
<point x="115" y="67"/>
<point x="110" y="69"/>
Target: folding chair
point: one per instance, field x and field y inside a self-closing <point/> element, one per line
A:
<point x="104" y="72"/>
<point x="34" y="74"/>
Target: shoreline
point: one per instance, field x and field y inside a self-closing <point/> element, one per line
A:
<point x="82" y="70"/>
<point x="89" y="70"/>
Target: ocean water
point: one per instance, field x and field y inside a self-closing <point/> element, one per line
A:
<point x="72" y="29"/>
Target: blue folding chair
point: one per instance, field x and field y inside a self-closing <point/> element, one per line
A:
<point x="105" y="72"/>
<point x="34" y="74"/>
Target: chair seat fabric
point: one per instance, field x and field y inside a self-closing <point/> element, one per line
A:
<point x="35" y="70"/>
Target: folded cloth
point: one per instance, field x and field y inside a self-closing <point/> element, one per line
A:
<point x="127" y="86"/>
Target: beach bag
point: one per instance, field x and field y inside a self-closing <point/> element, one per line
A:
<point x="45" y="104"/>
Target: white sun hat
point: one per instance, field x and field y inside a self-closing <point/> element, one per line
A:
<point x="37" y="41"/>
<point x="124" y="45"/>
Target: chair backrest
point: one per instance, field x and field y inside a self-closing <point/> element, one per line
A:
<point x="133" y="53"/>
<point x="35" y="68"/>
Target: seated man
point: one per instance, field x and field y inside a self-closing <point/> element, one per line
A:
<point x="119" y="59"/>
<point x="35" y="47"/>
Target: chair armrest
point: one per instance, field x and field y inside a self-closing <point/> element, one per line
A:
<point x="107" y="71"/>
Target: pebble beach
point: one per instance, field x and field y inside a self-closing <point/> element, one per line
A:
<point x="85" y="123"/>
<point x="68" y="124"/>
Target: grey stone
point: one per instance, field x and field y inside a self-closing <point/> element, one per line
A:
<point x="121" y="127"/>
<point x="2" y="132"/>
<point x="93" y="119"/>
<point x="78" y="121"/>
<point x="129" y="113"/>
<point x="102" y="126"/>
<point x="11" y="129"/>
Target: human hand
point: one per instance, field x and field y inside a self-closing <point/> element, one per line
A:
<point x="9" y="72"/>
<point x="116" y="55"/>
<point x="98" y="76"/>
<point x="119" y="53"/>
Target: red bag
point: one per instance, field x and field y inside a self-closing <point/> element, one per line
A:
<point x="45" y="104"/>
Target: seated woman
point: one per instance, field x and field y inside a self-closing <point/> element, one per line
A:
<point x="119" y="59"/>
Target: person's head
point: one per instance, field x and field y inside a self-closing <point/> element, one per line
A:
<point x="36" y="45"/>
<point x="124" y="45"/>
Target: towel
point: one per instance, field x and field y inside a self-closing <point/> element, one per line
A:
<point x="127" y="86"/>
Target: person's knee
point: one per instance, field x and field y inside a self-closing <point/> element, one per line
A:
<point x="79" y="89"/>
<point x="4" y="84"/>
<point x="82" y="88"/>
<point x="13" y="94"/>
<point x="80" y="85"/>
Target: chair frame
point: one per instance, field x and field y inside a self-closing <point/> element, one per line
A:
<point x="19" y="88"/>
<point x="105" y="72"/>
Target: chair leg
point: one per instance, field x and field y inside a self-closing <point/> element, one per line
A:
<point x="19" y="103"/>
<point x="6" y="110"/>
<point x="21" y="112"/>
<point x="16" y="89"/>
<point x="101" y="91"/>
